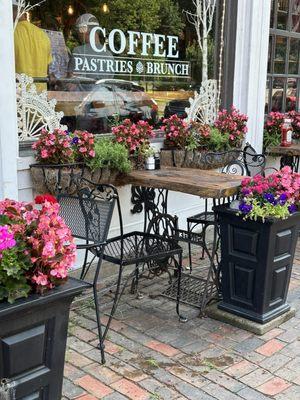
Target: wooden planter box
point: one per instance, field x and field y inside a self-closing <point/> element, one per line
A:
<point x="65" y="178"/>
<point x="33" y="334"/>
<point x="197" y="159"/>
<point x="256" y="264"/>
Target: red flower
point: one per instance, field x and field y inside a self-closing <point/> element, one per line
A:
<point x="41" y="199"/>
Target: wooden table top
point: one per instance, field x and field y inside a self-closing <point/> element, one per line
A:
<point x="207" y="184"/>
<point x="293" y="150"/>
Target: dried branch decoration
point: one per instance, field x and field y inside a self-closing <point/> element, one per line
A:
<point x="23" y="8"/>
<point x="202" y="19"/>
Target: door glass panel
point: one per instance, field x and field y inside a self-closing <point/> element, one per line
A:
<point x="296" y="15"/>
<point x="272" y="14"/>
<point x="277" y="94"/>
<point x="294" y="56"/>
<point x="280" y="54"/>
<point x="267" y="96"/>
<point x="291" y="94"/>
<point x="282" y="14"/>
<point x="270" y="54"/>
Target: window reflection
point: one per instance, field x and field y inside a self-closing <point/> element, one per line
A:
<point x="291" y="93"/>
<point x="296" y="15"/>
<point x="137" y="75"/>
<point x="282" y="14"/>
<point x="267" y="96"/>
<point x="280" y="55"/>
<point x="294" y="56"/>
<point x="277" y="94"/>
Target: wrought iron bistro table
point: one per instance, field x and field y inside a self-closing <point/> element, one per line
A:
<point x="290" y="156"/>
<point x="150" y="193"/>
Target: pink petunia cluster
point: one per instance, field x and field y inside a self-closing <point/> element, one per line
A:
<point x="48" y="241"/>
<point x="234" y="123"/>
<point x="283" y="181"/>
<point x="176" y="130"/>
<point x="133" y="135"/>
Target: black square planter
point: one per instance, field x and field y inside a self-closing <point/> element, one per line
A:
<point x="256" y="264"/>
<point x="33" y="334"/>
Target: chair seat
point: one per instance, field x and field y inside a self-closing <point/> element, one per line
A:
<point x="207" y="217"/>
<point x="139" y="247"/>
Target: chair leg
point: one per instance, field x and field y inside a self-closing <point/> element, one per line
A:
<point x="96" y="300"/>
<point x="179" y="268"/>
<point x="83" y="271"/>
<point x="102" y="335"/>
<point x="190" y="246"/>
<point x="204" y="239"/>
<point x="99" y="326"/>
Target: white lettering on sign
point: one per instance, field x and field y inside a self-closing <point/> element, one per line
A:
<point x="113" y="37"/>
<point x="93" y="65"/>
<point x="93" y="35"/>
<point x="152" y="44"/>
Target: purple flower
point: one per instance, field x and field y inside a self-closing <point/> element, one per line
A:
<point x="245" y="208"/>
<point x="293" y="208"/>
<point x="282" y="199"/>
<point x="270" y="198"/>
<point x="245" y="191"/>
<point x="75" y="140"/>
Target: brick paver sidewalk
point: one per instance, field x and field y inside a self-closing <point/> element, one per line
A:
<point x="150" y="355"/>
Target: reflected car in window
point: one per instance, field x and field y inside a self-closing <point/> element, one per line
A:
<point x="176" y="107"/>
<point x="112" y="99"/>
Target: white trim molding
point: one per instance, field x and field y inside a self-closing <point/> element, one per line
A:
<point x="251" y="59"/>
<point x="8" y="107"/>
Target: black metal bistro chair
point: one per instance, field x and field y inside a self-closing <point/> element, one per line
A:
<point x="246" y="163"/>
<point x="89" y="214"/>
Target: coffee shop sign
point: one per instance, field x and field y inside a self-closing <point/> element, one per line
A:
<point x="136" y="54"/>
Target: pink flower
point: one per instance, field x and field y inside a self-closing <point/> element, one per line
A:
<point x="7" y="240"/>
<point x="44" y="153"/>
<point x="40" y="279"/>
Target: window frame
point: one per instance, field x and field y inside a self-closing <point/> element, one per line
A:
<point x="271" y="75"/>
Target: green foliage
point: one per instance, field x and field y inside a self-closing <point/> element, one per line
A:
<point x="271" y="138"/>
<point x="138" y="15"/>
<point x="110" y="154"/>
<point x="194" y="54"/>
<point x="170" y="18"/>
<point x="13" y="283"/>
<point x="263" y="210"/>
<point x="218" y="141"/>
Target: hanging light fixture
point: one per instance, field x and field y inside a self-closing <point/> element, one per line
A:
<point x="70" y="10"/>
<point x="105" y="8"/>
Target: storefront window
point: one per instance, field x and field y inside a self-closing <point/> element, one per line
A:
<point x="104" y="61"/>
<point x="284" y="57"/>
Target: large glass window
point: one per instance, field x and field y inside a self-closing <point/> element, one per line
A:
<point x="283" y="82"/>
<point x="106" y="60"/>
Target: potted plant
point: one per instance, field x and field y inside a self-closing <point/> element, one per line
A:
<point x="187" y="145"/>
<point x="110" y="160"/>
<point x="258" y="243"/>
<point x="61" y="158"/>
<point x="136" y="138"/>
<point x="36" y="253"/>
<point x="149" y="154"/>
<point x="272" y="129"/>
